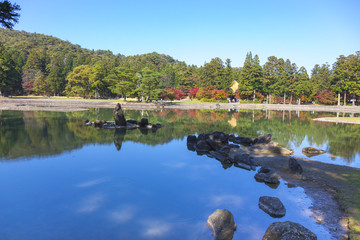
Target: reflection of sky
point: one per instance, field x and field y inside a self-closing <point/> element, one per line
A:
<point x="140" y="192"/>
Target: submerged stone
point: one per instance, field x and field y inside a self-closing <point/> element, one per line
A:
<point x="272" y="206"/>
<point x="222" y="224"/>
<point x="288" y="231"/>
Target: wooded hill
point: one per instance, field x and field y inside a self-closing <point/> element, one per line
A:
<point x="33" y="63"/>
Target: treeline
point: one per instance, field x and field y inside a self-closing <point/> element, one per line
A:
<point x="37" y="64"/>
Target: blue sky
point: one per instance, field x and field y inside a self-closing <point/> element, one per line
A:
<point x="306" y="32"/>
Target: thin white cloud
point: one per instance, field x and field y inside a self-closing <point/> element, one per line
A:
<point x="175" y="165"/>
<point x="92" y="203"/>
<point x="226" y="200"/>
<point x="156" y="228"/>
<point x="123" y="214"/>
<point x="91" y="183"/>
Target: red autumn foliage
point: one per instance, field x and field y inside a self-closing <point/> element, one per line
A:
<point x="211" y="93"/>
<point x="171" y="94"/>
<point x="193" y="92"/>
<point x="326" y="97"/>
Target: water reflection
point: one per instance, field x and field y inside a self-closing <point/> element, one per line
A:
<point x="36" y="133"/>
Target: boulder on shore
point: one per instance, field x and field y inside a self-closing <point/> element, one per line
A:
<point x="272" y="206"/>
<point x="294" y="166"/>
<point x="309" y="151"/>
<point x="288" y="230"/>
<point x="222" y="224"/>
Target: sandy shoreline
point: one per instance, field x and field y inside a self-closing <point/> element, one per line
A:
<point x="65" y="105"/>
<point x="326" y="184"/>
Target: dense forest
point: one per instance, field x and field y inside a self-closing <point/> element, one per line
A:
<point x="36" y="64"/>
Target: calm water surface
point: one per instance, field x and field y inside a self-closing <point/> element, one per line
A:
<point x="62" y="180"/>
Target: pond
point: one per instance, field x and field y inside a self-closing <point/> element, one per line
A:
<point x="62" y="180"/>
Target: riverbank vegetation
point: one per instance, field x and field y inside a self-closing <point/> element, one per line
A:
<point x="36" y="64"/>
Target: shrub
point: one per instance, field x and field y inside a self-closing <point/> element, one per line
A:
<point x="259" y="97"/>
<point x="193" y="92"/>
<point x="171" y="94"/>
<point x="205" y="92"/>
<point x="326" y="97"/>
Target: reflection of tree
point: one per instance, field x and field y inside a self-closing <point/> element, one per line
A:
<point x="25" y="134"/>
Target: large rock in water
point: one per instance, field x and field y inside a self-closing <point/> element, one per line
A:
<point x="272" y="206"/>
<point x="119" y="116"/>
<point x="222" y="224"/>
<point x="262" y="139"/>
<point x="144" y="122"/>
<point x="309" y="151"/>
<point x="288" y="231"/>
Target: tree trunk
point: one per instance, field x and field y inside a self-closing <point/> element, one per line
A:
<point x="267" y="98"/>
<point x="338" y="99"/>
<point x="299" y="101"/>
<point x="291" y="98"/>
<point x="345" y="98"/>
<point x="96" y="93"/>
<point x="353" y="102"/>
<point x="254" y="95"/>
<point x="284" y="97"/>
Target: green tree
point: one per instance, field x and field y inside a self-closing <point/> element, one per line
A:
<point x="41" y="85"/>
<point x="8" y="14"/>
<point x="122" y="81"/>
<point x="56" y="76"/>
<point x="302" y="87"/>
<point x="150" y="87"/>
<point x="212" y="74"/>
<point x="97" y="79"/>
<point x="78" y="83"/>
<point x="322" y="77"/>
<point x="10" y="78"/>
<point x="251" y="76"/>
<point x="228" y="75"/>
<point x="271" y="72"/>
<point x="346" y="75"/>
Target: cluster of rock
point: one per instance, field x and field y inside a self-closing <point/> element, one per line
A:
<point x="216" y="145"/>
<point x="121" y="122"/>
<point x="224" y="148"/>
<point x="223" y="226"/>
